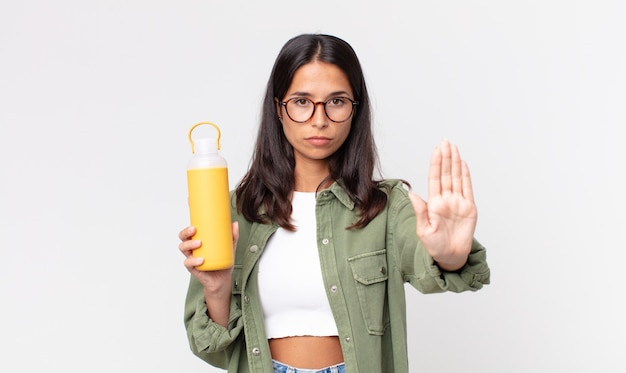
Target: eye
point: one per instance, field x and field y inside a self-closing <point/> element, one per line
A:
<point x="301" y="102"/>
<point x="337" y="101"/>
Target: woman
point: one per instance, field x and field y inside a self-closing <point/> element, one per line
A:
<point x="323" y="250"/>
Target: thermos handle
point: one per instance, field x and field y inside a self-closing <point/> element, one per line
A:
<point x="210" y="124"/>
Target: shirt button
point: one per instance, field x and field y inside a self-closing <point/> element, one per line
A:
<point x="256" y="351"/>
<point x="254" y="248"/>
<point x="333" y="288"/>
<point x="246" y="299"/>
<point x="383" y="270"/>
<point x="325" y="241"/>
<point x="348" y="339"/>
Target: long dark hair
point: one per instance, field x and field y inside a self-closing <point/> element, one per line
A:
<point x="264" y="193"/>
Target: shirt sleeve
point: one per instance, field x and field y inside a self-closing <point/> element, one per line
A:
<point x="208" y="340"/>
<point x="417" y="266"/>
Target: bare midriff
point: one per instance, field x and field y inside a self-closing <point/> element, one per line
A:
<point x="307" y="352"/>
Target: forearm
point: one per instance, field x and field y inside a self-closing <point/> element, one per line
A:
<point x="218" y="306"/>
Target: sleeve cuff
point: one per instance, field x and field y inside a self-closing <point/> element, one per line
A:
<point x="209" y="336"/>
<point x="471" y="277"/>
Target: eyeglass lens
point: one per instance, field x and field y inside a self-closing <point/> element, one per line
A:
<point x="337" y="109"/>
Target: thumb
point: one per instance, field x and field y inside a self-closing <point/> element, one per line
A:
<point x="235" y="227"/>
<point x="421" y="212"/>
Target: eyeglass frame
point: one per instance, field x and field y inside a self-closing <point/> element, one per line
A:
<point x="323" y="103"/>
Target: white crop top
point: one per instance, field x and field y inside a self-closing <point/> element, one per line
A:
<point x="291" y="287"/>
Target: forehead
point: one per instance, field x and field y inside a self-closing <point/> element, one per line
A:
<point x="319" y="78"/>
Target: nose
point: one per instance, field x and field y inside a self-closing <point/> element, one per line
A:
<point x="319" y="118"/>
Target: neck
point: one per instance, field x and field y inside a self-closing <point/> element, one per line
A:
<point x="309" y="177"/>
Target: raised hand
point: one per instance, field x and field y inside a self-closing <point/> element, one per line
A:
<point x="446" y="223"/>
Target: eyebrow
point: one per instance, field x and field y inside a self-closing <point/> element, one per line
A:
<point x="332" y="94"/>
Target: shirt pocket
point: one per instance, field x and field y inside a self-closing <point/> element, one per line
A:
<point x="370" y="274"/>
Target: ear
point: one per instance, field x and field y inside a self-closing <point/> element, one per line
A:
<point x="278" y="109"/>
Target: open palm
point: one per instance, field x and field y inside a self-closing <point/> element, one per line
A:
<point x="446" y="223"/>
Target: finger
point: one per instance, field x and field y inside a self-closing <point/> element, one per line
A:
<point x="446" y="176"/>
<point x="468" y="191"/>
<point x="187" y="233"/>
<point x="421" y="212"/>
<point x="191" y="263"/>
<point x="186" y="247"/>
<point x="455" y="167"/>
<point x="434" y="174"/>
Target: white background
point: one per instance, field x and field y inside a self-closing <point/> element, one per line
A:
<point x="96" y="98"/>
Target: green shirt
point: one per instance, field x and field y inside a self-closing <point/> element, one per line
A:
<point x="364" y="272"/>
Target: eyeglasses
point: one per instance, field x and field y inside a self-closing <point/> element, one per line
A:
<point x="337" y="109"/>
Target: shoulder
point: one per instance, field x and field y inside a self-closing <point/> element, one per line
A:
<point x="235" y="215"/>
<point x="394" y="187"/>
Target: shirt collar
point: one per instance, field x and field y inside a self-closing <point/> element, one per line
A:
<point x="340" y="193"/>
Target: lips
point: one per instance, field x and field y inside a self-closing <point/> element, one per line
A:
<point x="318" y="140"/>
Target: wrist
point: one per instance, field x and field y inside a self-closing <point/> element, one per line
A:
<point x="451" y="264"/>
<point x="219" y="292"/>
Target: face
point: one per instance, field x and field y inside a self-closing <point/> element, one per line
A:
<point x="319" y="137"/>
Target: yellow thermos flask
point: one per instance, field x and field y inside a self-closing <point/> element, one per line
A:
<point x="209" y="202"/>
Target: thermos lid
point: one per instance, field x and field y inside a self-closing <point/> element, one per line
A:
<point x="205" y="146"/>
